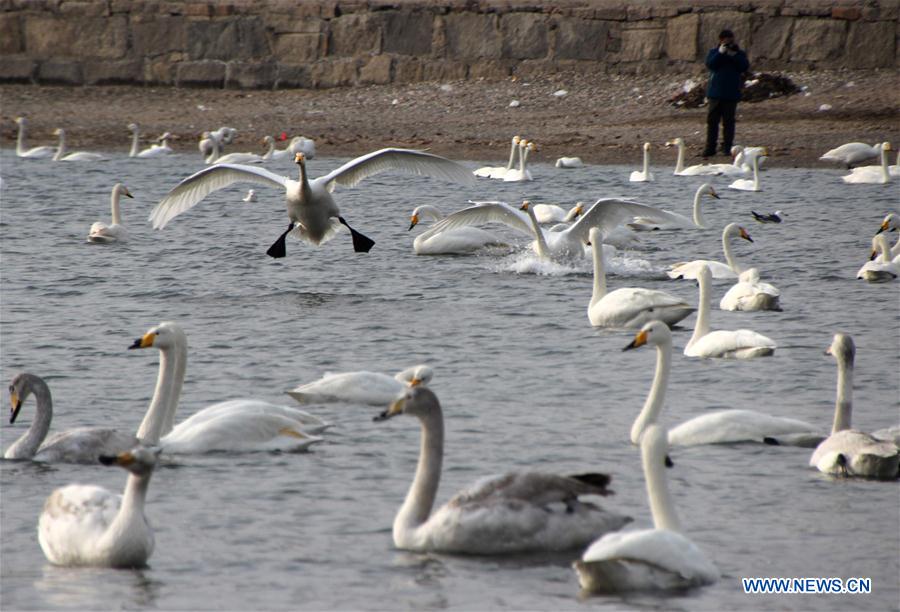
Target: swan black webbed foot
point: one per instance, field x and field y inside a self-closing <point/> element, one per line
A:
<point x="361" y="243"/>
<point x="278" y="248"/>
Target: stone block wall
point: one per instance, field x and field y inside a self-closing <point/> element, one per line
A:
<point x="330" y="43"/>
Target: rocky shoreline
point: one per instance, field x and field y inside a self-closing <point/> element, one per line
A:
<point x="602" y="120"/>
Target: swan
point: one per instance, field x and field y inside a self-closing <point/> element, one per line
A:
<point x="301" y="144"/>
<point x="314" y="215"/>
<point x="298" y="144"/>
<point x="700" y="169"/>
<point x="157" y="150"/>
<point x="748" y="184"/>
<point x="207" y="147"/>
<point x="79" y="445"/>
<point x="891" y="223"/>
<point x="661" y="558"/>
<point x="672" y="220"/>
<point x="569" y="162"/>
<point x="643" y="176"/>
<point x="232" y="158"/>
<point x="606" y="213"/>
<point x="61" y="154"/>
<point x="881" y="268"/>
<point x="363" y="387"/>
<point x="751" y="294"/>
<point x="551" y="213"/>
<point x="521" y="173"/>
<point x="35" y="152"/>
<point x="503" y="514"/>
<point x="717" y="427"/>
<point x="852" y="153"/>
<point x="461" y="240"/>
<point x="276" y="154"/>
<point x="629" y="306"/>
<point x="743" y="156"/>
<point x="135" y="141"/>
<point x="498" y="172"/>
<point x="235" y="425"/>
<point x="87" y="525"/>
<point x="250" y="197"/>
<point x="116" y="232"/>
<point x="719" y="270"/>
<point x="737" y="344"/>
<point x="880" y="174"/>
<point x="224" y="135"/>
<point x="847" y="451"/>
<point x="775" y="217"/>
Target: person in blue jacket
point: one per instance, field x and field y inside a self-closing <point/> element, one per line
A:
<point x="727" y="63"/>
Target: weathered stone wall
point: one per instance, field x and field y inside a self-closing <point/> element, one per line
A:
<point x="328" y="43"/>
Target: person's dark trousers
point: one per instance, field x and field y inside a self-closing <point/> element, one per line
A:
<point x="724" y="111"/>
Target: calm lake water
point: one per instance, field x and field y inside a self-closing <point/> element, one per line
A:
<point x="525" y="381"/>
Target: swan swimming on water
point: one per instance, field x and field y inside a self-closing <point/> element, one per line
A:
<point x="667" y="219"/>
<point x="881" y="267"/>
<point x="748" y="184"/>
<point x="750" y="294"/>
<point x="457" y="241"/>
<point x="661" y="558"/>
<point x="363" y="387"/>
<point x="644" y="175"/>
<point x="509" y="513"/>
<point x="880" y="174"/>
<point x="115" y="232"/>
<point x="314" y="215"/>
<point x="87" y="525"/>
<point x="34" y="152"/>
<point x="62" y="155"/>
<point x="498" y="172"/>
<point x="731" y="269"/>
<point x="522" y="173"/>
<point x="701" y="169"/>
<point x="79" y="445"/>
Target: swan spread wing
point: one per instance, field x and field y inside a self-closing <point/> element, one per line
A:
<point x="407" y="160"/>
<point x="84" y="445"/>
<point x="485" y="212"/>
<point x="197" y="186"/>
<point x="607" y="213"/>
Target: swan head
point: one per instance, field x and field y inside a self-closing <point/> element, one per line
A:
<point x="880" y="244"/>
<point x="299" y="158"/>
<point x="268" y="139"/>
<point x="733" y="229"/>
<point x="139" y="461"/>
<point x="891" y="223"/>
<point x="707" y="189"/>
<point x="59" y="132"/>
<point x="122" y="190"/>
<point x="418" y="401"/>
<point x="654" y="333"/>
<point x="526" y="205"/>
<point x="414" y="219"/>
<point x="646" y="146"/>
<point x="417" y="375"/>
<point x="532" y="146"/>
<point x="163" y="336"/>
<point x="842" y="348"/>
<point x="516" y="140"/>
<point x="21" y="120"/>
<point x="20" y="387"/>
<point x="886" y="146"/>
<point x="133" y="127"/>
<point x="675" y="142"/>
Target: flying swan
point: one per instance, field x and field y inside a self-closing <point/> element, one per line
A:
<point x="505" y="514"/>
<point x="115" y="232"/>
<point x="373" y="388"/>
<point x="314" y="215"/>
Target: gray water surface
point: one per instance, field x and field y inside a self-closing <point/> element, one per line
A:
<point x="525" y="381"/>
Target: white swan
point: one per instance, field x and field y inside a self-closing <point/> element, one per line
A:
<point x="736" y="344"/>
<point x="891" y="223"/>
<point x="880" y="174"/>
<point x="363" y="387"/>
<point x="232" y="158"/>
<point x="61" y="154"/>
<point x="521" y="173"/>
<point x="79" y="445"/>
<point x="731" y="269"/>
<point x="509" y="513"/>
<point x="847" y="451"/>
<point x="852" y="153"/>
<point x="881" y="268"/>
<point x="717" y="427"/>
<point x="743" y="156"/>
<point x="298" y="144"/>
<point x="87" y="525"/>
<point x="314" y="215"/>
<point x="569" y="242"/>
<point x="159" y="149"/>
<point x="224" y="135"/>
<point x="629" y="307"/>
<point x="34" y="152"/>
<point x="250" y="197"/>
<point x="748" y="184"/>
<point x="115" y="232"/>
<point x="700" y="169"/>
<point x="644" y="175"/>
<point x="207" y="146"/>
<point x="661" y="558"/>
<point x="552" y="213"/>
<point x="750" y="294"/>
<point x="461" y="240"/>
<point x="673" y="220"/>
<point x="276" y="154"/>
<point x="498" y="172"/>
<point x="235" y="425"/>
<point x="569" y="162"/>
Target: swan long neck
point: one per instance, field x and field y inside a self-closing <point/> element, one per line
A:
<point x="114" y="206"/>
<point x="657" y="397"/>
<point x="271" y="151"/>
<point x="646" y="161"/>
<point x="523" y="153"/>
<point x="419" y="500"/>
<point x="20" y="139"/>
<point x="679" y="161"/>
<point x="512" y="155"/>
<point x="130" y="517"/>
<point x="701" y="326"/>
<point x="699" y="221"/>
<point x="28" y="443"/>
<point x="216" y="150"/>
<point x="305" y="191"/>
<point x="843" y="403"/>
<point x="885" y="173"/>
<point x="542" y="248"/>
<point x="160" y="417"/>
<point x="661" y="506"/>
<point x="729" y="253"/>
<point x="599" y="271"/>
<point x="135" y="145"/>
<point x="61" y="147"/>
<point x="756" y="172"/>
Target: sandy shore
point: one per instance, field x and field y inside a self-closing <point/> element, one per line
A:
<point x="602" y="121"/>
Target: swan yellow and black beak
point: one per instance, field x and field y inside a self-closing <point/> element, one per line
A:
<point x="579" y="210"/>
<point x="123" y="459"/>
<point x="413" y="221"/>
<point x="745" y="235"/>
<point x="15" y="403"/>
<point x="873" y="255"/>
<point x="127" y="193"/>
<point x="525" y="205"/>
<point x="712" y="193"/>
<point x="299" y="158"/>
<point x="145" y="341"/>
<point x="639" y="340"/>
<point x="393" y="410"/>
<point x="415" y="382"/>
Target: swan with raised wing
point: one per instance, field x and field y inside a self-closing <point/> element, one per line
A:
<point x="78" y="445"/>
<point x="509" y="513"/>
<point x="662" y="558"/>
<point x="731" y="269"/>
<point x="458" y="241"/>
<point x="34" y="152"/>
<point x="87" y="525"/>
<point x="234" y="425"/>
<point x="62" y="155"/>
<point x="115" y="232"/>
<point x="672" y="220"/>
<point x="314" y="215"/>
<point x="850" y="452"/>
<point x="363" y="387"/>
<point x="629" y="307"/>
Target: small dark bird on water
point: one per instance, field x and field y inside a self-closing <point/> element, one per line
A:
<point x="775" y="217"/>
